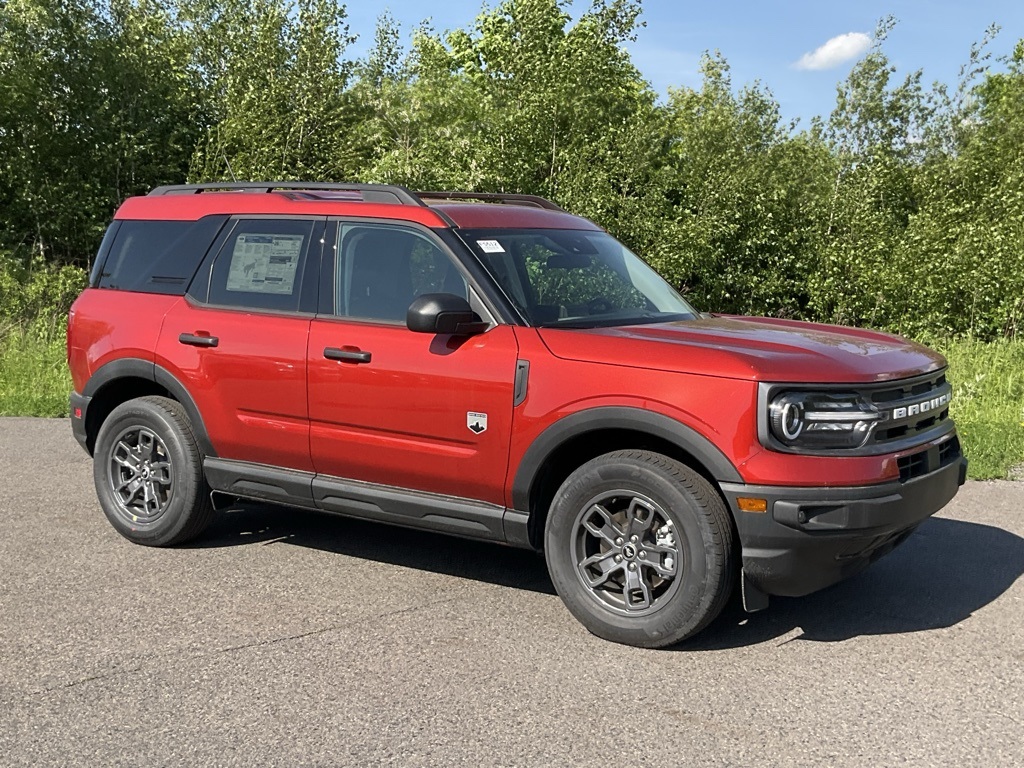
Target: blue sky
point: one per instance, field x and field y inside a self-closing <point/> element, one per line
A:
<point x="766" y="40"/>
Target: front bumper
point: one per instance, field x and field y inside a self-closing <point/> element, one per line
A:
<point x="810" y="538"/>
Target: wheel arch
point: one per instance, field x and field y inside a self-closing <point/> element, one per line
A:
<point x="125" y="379"/>
<point x="582" y="436"/>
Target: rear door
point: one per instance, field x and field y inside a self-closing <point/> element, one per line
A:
<point x="238" y="339"/>
<point x="391" y="406"/>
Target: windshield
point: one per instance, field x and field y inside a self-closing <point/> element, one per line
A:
<point x="575" y="279"/>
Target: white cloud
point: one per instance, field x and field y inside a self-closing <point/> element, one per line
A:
<point x="836" y="51"/>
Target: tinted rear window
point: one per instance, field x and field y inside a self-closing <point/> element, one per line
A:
<point x="158" y="256"/>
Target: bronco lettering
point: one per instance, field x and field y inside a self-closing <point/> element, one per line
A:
<point x="922" y="407"/>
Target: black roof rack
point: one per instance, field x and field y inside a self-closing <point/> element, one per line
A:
<point x="371" y="193"/>
<point x="532" y="201"/>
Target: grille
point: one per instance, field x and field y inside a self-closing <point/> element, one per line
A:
<point x="929" y="460"/>
<point x="914" y="407"/>
<point x="905" y="390"/>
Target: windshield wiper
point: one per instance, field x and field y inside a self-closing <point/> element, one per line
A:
<point x="621" y="317"/>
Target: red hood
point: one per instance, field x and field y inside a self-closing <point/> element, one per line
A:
<point x="756" y="348"/>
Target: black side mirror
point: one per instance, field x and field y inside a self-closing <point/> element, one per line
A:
<point x="443" y="313"/>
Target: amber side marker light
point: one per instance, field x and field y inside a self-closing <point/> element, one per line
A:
<point x="747" y="504"/>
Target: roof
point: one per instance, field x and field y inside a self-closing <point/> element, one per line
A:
<point x="192" y="207"/>
<point x="498" y="216"/>
<point x="379" y="201"/>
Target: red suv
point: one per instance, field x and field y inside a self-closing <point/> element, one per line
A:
<point x="493" y="367"/>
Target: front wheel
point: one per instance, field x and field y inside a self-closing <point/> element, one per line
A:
<point x="148" y="471"/>
<point x="640" y="548"/>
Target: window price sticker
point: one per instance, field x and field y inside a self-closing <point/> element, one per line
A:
<point x="490" y="246"/>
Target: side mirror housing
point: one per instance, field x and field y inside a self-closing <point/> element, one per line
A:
<point x="443" y="313"/>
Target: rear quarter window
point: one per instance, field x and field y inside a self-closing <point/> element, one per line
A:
<point x="157" y="256"/>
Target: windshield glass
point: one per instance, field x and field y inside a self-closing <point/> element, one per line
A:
<point x="575" y="279"/>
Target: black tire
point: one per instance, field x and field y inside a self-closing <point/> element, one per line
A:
<point x="640" y="549"/>
<point x="149" y="476"/>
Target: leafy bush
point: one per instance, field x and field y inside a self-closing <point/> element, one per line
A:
<point x="34" y="376"/>
<point x="33" y="292"/>
<point x="34" y="302"/>
<point x="988" y="403"/>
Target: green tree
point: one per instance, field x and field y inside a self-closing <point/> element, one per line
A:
<point x="876" y="137"/>
<point x="740" y="199"/>
<point x="52" y="58"/>
<point x="272" y="82"/>
<point x="964" y="249"/>
<point x="94" y="106"/>
<point x="523" y="102"/>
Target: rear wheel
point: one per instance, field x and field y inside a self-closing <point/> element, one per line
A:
<point x="640" y="548"/>
<point x="148" y="471"/>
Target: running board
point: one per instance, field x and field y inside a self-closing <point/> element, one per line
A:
<point x="369" y="501"/>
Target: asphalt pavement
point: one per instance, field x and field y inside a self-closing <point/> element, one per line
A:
<point x="286" y="637"/>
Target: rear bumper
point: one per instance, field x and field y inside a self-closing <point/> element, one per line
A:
<point x="79" y="407"/>
<point x="810" y="538"/>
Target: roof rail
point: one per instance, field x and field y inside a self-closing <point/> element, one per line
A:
<point x="532" y="201"/>
<point x="371" y="193"/>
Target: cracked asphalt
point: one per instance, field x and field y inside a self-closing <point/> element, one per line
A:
<point x="290" y="638"/>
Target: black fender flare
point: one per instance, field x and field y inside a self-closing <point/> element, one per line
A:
<point x="617" y="417"/>
<point x="133" y="367"/>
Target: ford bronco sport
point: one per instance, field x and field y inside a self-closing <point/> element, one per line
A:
<point x="493" y="367"/>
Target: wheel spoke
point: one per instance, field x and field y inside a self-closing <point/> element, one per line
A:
<point x="638" y="518"/>
<point x="147" y="444"/>
<point x="637" y="592"/>
<point x="661" y="559"/>
<point x="161" y="472"/>
<point x="605" y="565"/>
<point x="125" y="455"/>
<point x="608" y="530"/>
<point x="132" y="487"/>
<point x="152" y="501"/>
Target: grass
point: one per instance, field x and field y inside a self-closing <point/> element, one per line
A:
<point x="34" y="376"/>
<point x="988" y="386"/>
<point x="988" y="403"/>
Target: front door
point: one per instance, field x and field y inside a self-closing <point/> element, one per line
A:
<point x="394" y="407"/>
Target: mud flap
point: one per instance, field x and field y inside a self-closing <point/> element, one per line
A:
<point x="754" y="599"/>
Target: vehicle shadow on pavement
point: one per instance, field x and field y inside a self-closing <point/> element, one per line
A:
<point x="467" y="559"/>
<point x="946" y="571"/>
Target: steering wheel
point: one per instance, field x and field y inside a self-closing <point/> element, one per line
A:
<point x="599" y="305"/>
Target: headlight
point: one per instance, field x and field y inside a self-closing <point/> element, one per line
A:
<point x="821" y="420"/>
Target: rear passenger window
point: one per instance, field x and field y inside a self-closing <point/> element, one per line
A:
<point x="260" y="265"/>
<point x="158" y="256"/>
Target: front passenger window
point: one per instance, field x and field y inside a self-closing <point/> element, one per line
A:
<point x="381" y="269"/>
